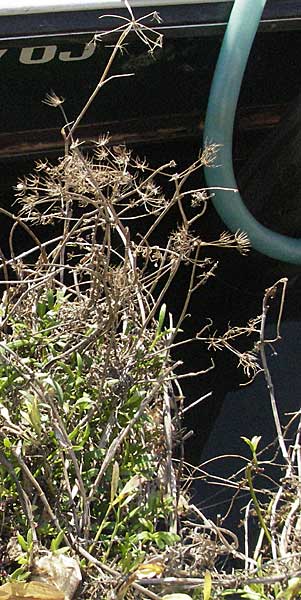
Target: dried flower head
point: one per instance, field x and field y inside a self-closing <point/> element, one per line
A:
<point x="209" y="153"/>
<point x="53" y="100"/>
<point x="199" y="197"/>
<point x="183" y="242"/>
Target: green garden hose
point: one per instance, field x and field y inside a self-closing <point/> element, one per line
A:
<point x="231" y="64"/>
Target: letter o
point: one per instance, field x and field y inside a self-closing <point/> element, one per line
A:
<point x="26" y="55"/>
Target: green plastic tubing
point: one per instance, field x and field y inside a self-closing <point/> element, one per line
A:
<point x="231" y="64"/>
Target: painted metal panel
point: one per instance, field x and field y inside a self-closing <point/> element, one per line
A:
<point x="19" y="7"/>
<point x="36" y="21"/>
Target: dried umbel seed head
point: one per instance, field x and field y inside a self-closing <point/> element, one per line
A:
<point x="53" y="100"/>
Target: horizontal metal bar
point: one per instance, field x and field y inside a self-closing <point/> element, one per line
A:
<point x="175" y="31"/>
<point x="26" y="7"/>
<point x="184" y="126"/>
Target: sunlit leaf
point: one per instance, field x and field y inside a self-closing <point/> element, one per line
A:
<point x="149" y="570"/>
<point x="114" y="480"/>
<point x="82" y="439"/>
<point x="250" y="593"/>
<point x="29" y="537"/>
<point x="41" y="309"/>
<point x="207" y="586"/>
<point x="23" y="543"/>
<point x="130" y="488"/>
<point x="56" y="542"/>
<point x="50" y="299"/>
<point x="79" y="362"/>
<point x="56" y="386"/>
<point x="19" y="574"/>
<point x="34" y="415"/>
<point x="16" y="590"/>
<point x="253" y="443"/>
<point x="161" y="318"/>
<point x="293" y="589"/>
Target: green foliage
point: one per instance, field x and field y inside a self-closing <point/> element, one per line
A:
<point x="207" y="586"/>
<point x="250" y="468"/>
<point x="62" y="423"/>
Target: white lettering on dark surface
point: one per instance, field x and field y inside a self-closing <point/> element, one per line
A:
<point x="27" y="55"/>
<point x="37" y="55"/>
<point x="88" y="50"/>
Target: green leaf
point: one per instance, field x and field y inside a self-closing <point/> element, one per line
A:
<point x="32" y="413"/>
<point x="63" y="550"/>
<point x="3" y="383"/>
<point x="84" y="402"/>
<point x="131" y="487"/>
<point x="253" y="443"/>
<point x="19" y="575"/>
<point x="34" y="416"/>
<point x="56" y="542"/>
<point x="293" y="589"/>
<point x="61" y="298"/>
<point x="29" y="537"/>
<point x="161" y="319"/>
<point x="79" y="362"/>
<point x="73" y="433"/>
<point x="136" y="397"/>
<point x="147" y="524"/>
<point x="50" y="299"/>
<point x="145" y="536"/>
<point x="56" y="386"/>
<point x="67" y="369"/>
<point x="207" y="586"/>
<point x="83" y="439"/>
<point x="165" y="538"/>
<point x="22" y="559"/>
<point x="114" y="480"/>
<point x="22" y="542"/>
<point x="41" y="309"/>
<point x="251" y="594"/>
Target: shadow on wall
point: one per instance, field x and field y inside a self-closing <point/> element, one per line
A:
<point x="270" y="183"/>
<point x="247" y="412"/>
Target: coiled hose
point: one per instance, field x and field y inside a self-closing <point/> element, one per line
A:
<point x="231" y="64"/>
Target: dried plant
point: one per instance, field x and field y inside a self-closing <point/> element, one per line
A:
<point x="87" y="376"/>
<point x="90" y="400"/>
